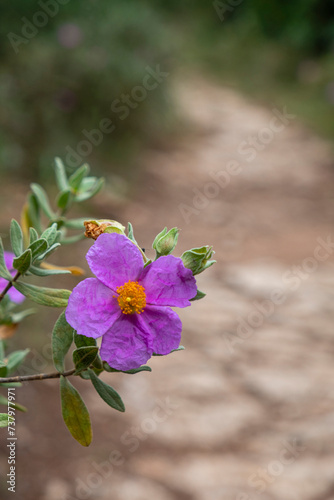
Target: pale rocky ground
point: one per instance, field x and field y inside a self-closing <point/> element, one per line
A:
<point x="236" y="416"/>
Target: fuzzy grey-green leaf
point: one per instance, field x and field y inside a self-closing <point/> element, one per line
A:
<point x="23" y="262"/>
<point x="4" y="273"/>
<point x="45" y="296"/>
<point x="16" y="238"/>
<point x="106" y="392"/>
<point x="62" y="338"/>
<point x="83" y="357"/>
<point x="75" y="413"/>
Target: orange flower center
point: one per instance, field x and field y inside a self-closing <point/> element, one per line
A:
<point x="131" y="298"/>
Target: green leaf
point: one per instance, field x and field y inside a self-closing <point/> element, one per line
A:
<point x="64" y="200"/>
<point x="43" y="200"/>
<point x="4" y="273"/>
<point x="50" y="234"/>
<point x="83" y="341"/>
<point x="45" y="296"/>
<point x="61" y="177"/>
<point x="2" y="350"/>
<point x="4" y="401"/>
<point x="48" y="252"/>
<point x="92" y="192"/>
<point x="3" y="419"/>
<point x="38" y="248"/>
<point x="75" y="413"/>
<point x="130" y="233"/>
<point x="143" y="368"/>
<point x="47" y="272"/>
<point x="77" y="177"/>
<point x="15" y="359"/>
<point x="84" y="357"/>
<point x="33" y="235"/>
<point x="23" y="262"/>
<point x="18" y="317"/>
<point x="3" y="368"/>
<point x="199" y="295"/>
<point x="181" y="348"/>
<point x="106" y="392"/>
<point x="16" y="238"/>
<point x="62" y="338"/>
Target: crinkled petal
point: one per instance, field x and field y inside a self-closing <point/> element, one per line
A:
<point x="127" y="344"/>
<point x="92" y="309"/>
<point x="114" y="260"/>
<point x="168" y="283"/>
<point x="165" y="327"/>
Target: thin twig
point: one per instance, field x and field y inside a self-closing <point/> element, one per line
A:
<point x="9" y="286"/>
<point x="38" y="376"/>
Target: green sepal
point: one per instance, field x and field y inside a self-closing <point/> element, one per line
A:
<point x="199" y="295"/>
<point x="130" y="233"/>
<point x="83" y="357"/>
<point x="16" y="238"/>
<point x="106" y="392"/>
<point x="45" y="296"/>
<point x="62" y="338"/>
<point x="75" y="413"/>
<point x="143" y="368"/>
<point x="180" y="348"/>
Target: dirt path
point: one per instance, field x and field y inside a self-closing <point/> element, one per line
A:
<point x="247" y="411"/>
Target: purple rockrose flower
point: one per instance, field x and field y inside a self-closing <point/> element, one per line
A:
<point x="127" y="304"/>
<point x="14" y="295"/>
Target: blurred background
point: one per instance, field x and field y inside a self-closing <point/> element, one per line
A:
<point x="216" y="117"/>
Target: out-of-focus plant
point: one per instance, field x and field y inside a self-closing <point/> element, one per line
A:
<point x="128" y="304"/>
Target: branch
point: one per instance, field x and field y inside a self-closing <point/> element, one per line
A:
<point x="39" y="376"/>
<point x="9" y="286"/>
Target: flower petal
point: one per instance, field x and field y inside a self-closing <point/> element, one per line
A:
<point x="15" y="295"/>
<point x="92" y="309"/>
<point x="126" y="345"/>
<point x="114" y="260"/>
<point x="164" y="326"/>
<point x="168" y="283"/>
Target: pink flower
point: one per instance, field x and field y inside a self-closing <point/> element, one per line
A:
<point x="129" y="305"/>
<point x="14" y="295"/>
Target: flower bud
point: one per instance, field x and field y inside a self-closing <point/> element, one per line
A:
<point x="166" y="241"/>
<point x="96" y="227"/>
<point x="197" y="259"/>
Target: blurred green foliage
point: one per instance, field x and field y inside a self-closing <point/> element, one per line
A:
<point x="64" y="78"/>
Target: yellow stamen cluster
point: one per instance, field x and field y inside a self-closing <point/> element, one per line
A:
<point x="131" y="298"/>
